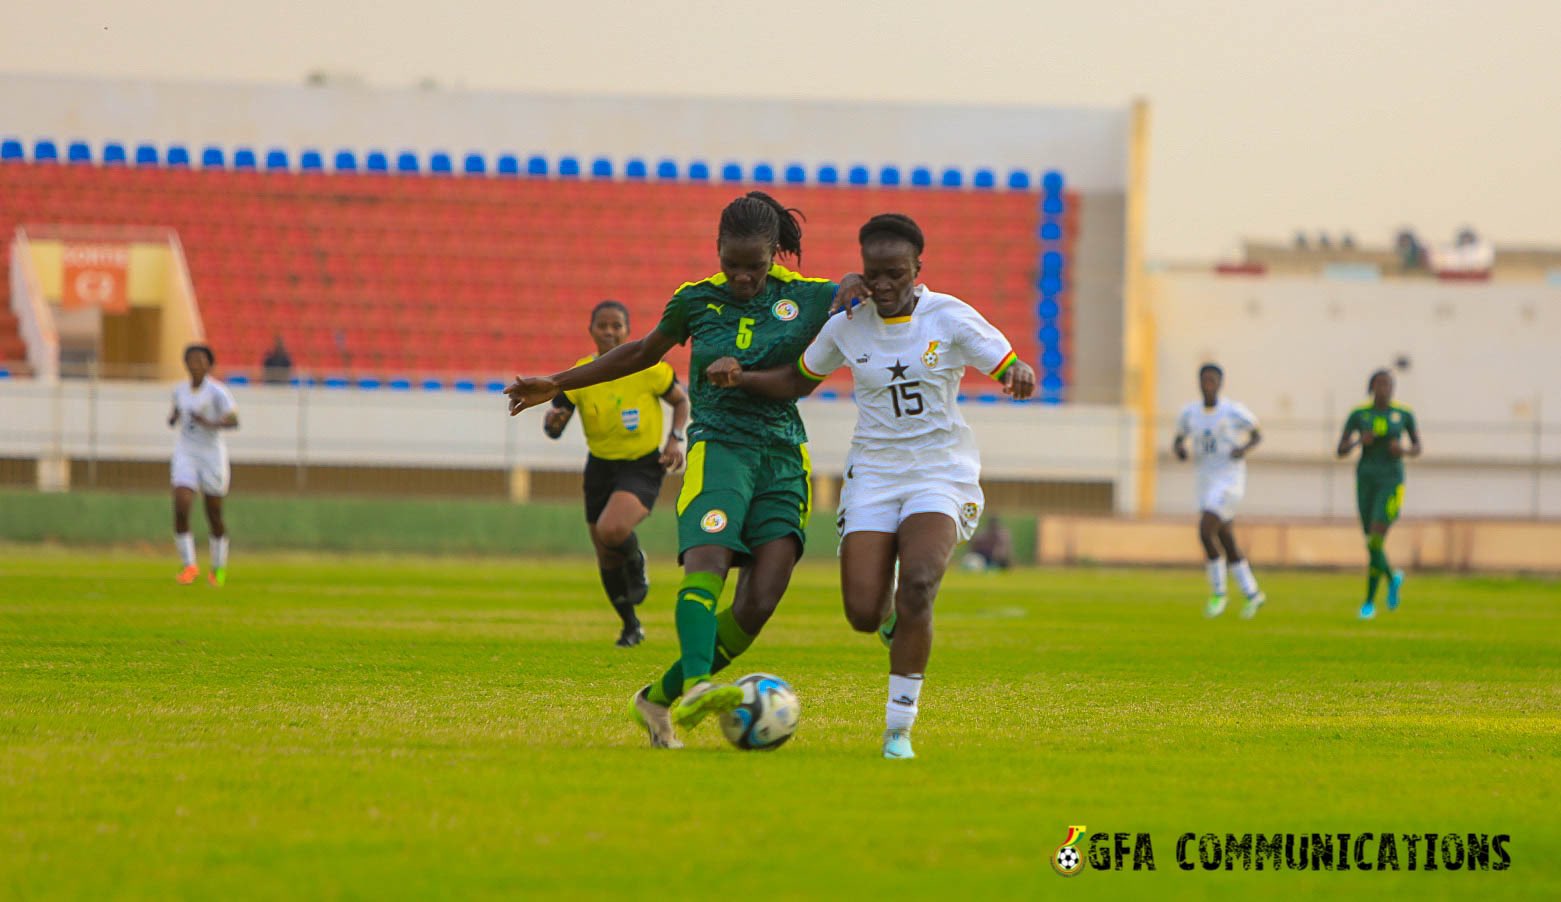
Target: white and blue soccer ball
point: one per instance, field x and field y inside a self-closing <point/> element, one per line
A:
<point x="767" y="716"/>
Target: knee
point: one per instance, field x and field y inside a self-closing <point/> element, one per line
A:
<point x="612" y="533"/>
<point x="864" y="618"/>
<point x="918" y="586"/>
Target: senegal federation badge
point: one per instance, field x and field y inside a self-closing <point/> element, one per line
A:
<point x="1066" y="860"/>
<point x="785" y="310"/>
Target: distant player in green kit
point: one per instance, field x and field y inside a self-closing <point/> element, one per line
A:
<point x="1380" y="428"/>
<point x="747" y="492"/>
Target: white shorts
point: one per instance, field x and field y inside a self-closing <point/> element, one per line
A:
<point x="873" y="501"/>
<point x="1220" y="495"/>
<point x="206" y="473"/>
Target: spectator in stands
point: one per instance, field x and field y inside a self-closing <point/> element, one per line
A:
<point x="1469" y="255"/>
<point x="1348" y="241"/>
<point x="991" y="548"/>
<point x="1411" y="253"/>
<point x="1324" y="243"/>
<point x="1301" y="243"/>
<point x="277" y="367"/>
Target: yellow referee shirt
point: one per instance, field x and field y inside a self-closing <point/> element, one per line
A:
<point x="622" y="418"/>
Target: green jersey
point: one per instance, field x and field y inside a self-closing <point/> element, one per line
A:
<point x="771" y="330"/>
<point x="1385" y="426"/>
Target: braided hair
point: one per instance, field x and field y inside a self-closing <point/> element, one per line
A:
<point x="610" y="305"/>
<point x="758" y="215"/>
<point x="893" y="225"/>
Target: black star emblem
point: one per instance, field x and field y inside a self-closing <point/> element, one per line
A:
<point x="897" y="371"/>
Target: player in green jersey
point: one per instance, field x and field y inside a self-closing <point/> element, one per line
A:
<point x="748" y="491"/>
<point x="1380" y="429"/>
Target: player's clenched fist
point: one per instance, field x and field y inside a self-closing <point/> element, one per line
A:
<point x="724" y="373"/>
<point x="1019" y="381"/>
<point x="529" y="392"/>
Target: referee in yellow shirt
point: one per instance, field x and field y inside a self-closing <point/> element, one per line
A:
<point x="622" y="422"/>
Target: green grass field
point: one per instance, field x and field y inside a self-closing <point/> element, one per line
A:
<point x="392" y="727"/>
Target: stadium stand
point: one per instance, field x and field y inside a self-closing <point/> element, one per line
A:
<point x="385" y="277"/>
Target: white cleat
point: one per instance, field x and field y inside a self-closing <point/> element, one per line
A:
<point x="897" y="745"/>
<point x="656" y="719"/>
<point x="1249" y="610"/>
<point x="1215" y="606"/>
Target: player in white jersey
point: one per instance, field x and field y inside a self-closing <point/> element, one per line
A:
<point x="202" y="409"/>
<point x="911" y="490"/>
<point x="1223" y="432"/>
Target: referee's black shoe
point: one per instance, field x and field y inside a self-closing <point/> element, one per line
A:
<point x="631" y="636"/>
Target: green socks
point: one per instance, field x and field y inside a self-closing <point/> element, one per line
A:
<point x="696" y="621"/>
<point x="1379" y="566"/>
<point x="730" y="641"/>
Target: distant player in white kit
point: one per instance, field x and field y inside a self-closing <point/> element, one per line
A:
<point x="202" y="408"/>
<point x="911" y="491"/>
<point x="1222" y="432"/>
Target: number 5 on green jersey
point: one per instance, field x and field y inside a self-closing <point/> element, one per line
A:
<point x="745" y="331"/>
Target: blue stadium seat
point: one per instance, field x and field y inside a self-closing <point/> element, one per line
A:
<point x="493" y="386"/>
<point x="1051" y="359"/>
<point x="921" y="177"/>
<point x="984" y="179"/>
<point x="406" y="161"/>
<point x="1018" y="180"/>
<point x="113" y="154"/>
<point x="1051" y="182"/>
<point x="377" y="161"/>
<point x="1047" y="308"/>
<point x="731" y="172"/>
<point x="464" y="385"/>
<point x="369" y="384"/>
<point x="399" y="384"/>
<point x="311" y="161"/>
<point x="345" y="161"/>
<point x="1048" y="334"/>
<point x="635" y="169"/>
<point x="432" y="385"/>
<point x="335" y="382"/>
<point x="568" y="168"/>
<point x="952" y="178"/>
<point x="1051" y="285"/>
<point x="178" y="155"/>
<point x="764" y="174"/>
<point x="1051" y="231"/>
<point x="601" y="168"/>
<point x="1051" y="262"/>
<point x="828" y="175"/>
<point x="474" y="164"/>
<point x="667" y="170"/>
<point x="439" y="163"/>
<point x="858" y="175"/>
<point x="889" y="176"/>
<point x="1052" y="205"/>
<point x="79" y="152"/>
<point x="213" y="157"/>
<point x="699" y="171"/>
<point x="236" y="379"/>
<point x="11" y="149"/>
<point x="44" y="151"/>
<point x="509" y="165"/>
<point x="244" y="158"/>
<point x="146" y="155"/>
<point x="536" y="166"/>
<point x="276" y="160"/>
<point x="796" y="175"/>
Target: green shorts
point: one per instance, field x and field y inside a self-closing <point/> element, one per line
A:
<point x="741" y="497"/>
<point x="1379" y="498"/>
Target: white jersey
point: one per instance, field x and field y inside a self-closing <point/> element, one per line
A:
<point x="213" y="402"/>
<point x="907" y="372"/>
<point x="1214" y="433"/>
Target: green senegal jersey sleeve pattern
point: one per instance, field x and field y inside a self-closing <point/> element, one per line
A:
<point x="772" y="329"/>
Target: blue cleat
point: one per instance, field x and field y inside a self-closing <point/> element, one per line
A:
<point x="897" y="744"/>
<point x="1395" y="582"/>
<point x="1368" y="610"/>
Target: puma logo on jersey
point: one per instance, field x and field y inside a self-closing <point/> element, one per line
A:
<point x="718" y="308"/>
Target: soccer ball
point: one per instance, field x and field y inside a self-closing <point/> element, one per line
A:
<point x="1067" y="858"/>
<point x="767" y="716"/>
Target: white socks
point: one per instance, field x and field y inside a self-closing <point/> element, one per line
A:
<point x="1216" y="570"/>
<point x="185" y="543"/>
<point x="219" y="552"/>
<point x="900" y="713"/>
<point x="1242" y="571"/>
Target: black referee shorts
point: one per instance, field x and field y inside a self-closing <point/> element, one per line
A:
<point x="640" y="477"/>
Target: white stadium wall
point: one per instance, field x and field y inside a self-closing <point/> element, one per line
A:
<point x="1483" y="376"/>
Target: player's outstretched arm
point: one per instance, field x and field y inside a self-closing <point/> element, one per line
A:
<point x="626" y="359"/>
<point x="1252" y="442"/>
<point x="853" y="290"/>
<point x="1348" y="440"/>
<point x="782" y="382"/>
<point x="1414" y="441"/>
<point x="672" y="455"/>
<point x="1179" y="446"/>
